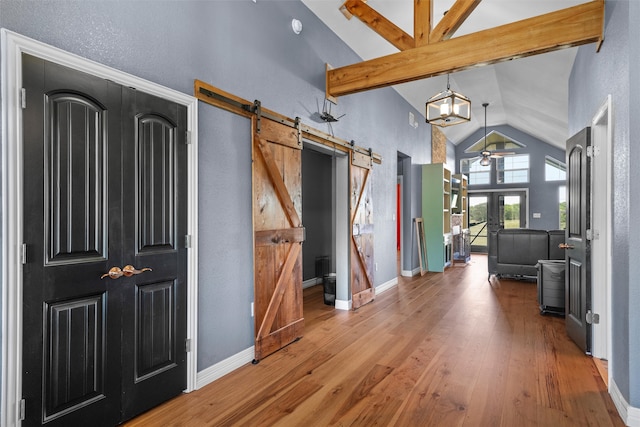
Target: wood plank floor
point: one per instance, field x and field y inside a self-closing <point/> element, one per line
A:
<point x="444" y="349"/>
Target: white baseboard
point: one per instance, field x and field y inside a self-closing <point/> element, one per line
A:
<point x="629" y="414"/>
<point x="386" y="286"/>
<point x="311" y="282"/>
<point x="220" y="369"/>
<point x="410" y="273"/>
<point x="343" y="305"/>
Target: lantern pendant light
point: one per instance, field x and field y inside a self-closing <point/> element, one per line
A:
<point x="448" y="108"/>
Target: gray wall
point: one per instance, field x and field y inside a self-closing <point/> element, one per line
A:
<point x="615" y="70"/>
<point x="541" y="192"/>
<point x="249" y="50"/>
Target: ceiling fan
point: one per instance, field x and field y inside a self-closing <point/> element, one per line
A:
<point x="486" y="155"/>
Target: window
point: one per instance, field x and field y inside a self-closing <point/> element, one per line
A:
<point x="562" y="206"/>
<point x="477" y="174"/>
<point x="495" y="142"/>
<point x="554" y="170"/>
<point x="512" y="169"/>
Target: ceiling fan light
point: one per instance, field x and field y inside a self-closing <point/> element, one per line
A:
<point x="448" y="108"/>
<point x="485" y="161"/>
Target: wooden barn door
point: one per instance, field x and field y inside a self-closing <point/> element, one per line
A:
<point x="277" y="210"/>
<point x="362" y="290"/>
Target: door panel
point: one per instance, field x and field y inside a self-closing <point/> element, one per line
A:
<point x="81" y="214"/>
<point x="578" y="252"/>
<point x="70" y="139"/>
<point x="74" y="222"/>
<point x="73" y="336"/>
<point x="278" y="237"/>
<point x="154" y="211"/>
<point x="362" y="261"/>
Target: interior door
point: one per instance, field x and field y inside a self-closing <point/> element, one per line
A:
<point x="154" y="210"/>
<point x="362" y="261"/>
<point x="577" y="245"/>
<point x="278" y="236"/>
<point x="84" y="335"/>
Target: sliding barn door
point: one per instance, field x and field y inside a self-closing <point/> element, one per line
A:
<point x="277" y="211"/>
<point x="362" y="290"/>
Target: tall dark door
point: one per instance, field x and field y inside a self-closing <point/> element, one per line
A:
<point x="577" y="245"/>
<point x="104" y="191"/>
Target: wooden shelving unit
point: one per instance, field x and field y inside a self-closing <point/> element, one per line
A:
<point x="436" y="213"/>
<point x="460" y="220"/>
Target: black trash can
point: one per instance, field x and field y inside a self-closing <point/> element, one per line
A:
<point x="329" y="283"/>
<point x="551" y="282"/>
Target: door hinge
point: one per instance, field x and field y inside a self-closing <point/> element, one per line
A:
<point x="592" y="318"/>
<point x="187" y="345"/>
<point x="187" y="241"/>
<point x="593" y="234"/>
<point x="22" y="410"/>
<point x="187" y="137"/>
<point x="23" y="98"/>
<point x="257" y="108"/>
<point x="593" y="150"/>
<point x="23" y="254"/>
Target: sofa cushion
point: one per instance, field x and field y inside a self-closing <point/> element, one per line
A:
<point x="555" y="238"/>
<point x="522" y="246"/>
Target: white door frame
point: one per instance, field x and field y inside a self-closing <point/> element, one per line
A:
<point x="601" y="188"/>
<point x="13" y="46"/>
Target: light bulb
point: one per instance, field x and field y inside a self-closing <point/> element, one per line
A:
<point x="444" y="109"/>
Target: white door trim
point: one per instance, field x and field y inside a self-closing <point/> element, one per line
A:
<point x="13" y="45"/>
<point x="601" y="187"/>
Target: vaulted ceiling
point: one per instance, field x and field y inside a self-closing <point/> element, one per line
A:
<point x="529" y="93"/>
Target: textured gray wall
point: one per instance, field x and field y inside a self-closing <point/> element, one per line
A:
<point x="249" y="50"/>
<point x="615" y="70"/>
<point x="540" y="191"/>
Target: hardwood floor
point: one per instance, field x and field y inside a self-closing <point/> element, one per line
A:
<point x="443" y="349"/>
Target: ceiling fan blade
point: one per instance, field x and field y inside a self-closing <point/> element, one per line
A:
<point x="501" y="154"/>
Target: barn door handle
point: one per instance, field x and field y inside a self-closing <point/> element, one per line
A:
<point x="565" y="246"/>
<point x="130" y="270"/>
<point x="114" y="273"/>
<point x="127" y="270"/>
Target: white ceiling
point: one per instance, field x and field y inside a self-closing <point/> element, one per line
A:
<point x="529" y="94"/>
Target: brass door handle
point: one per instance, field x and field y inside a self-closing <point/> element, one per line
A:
<point x="127" y="271"/>
<point x="114" y="273"/>
<point x="565" y="246"/>
<point x="130" y="270"/>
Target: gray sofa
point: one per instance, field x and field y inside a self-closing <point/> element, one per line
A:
<point x="515" y="251"/>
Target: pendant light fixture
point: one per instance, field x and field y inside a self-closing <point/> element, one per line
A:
<point x="486" y="159"/>
<point x="448" y="108"/>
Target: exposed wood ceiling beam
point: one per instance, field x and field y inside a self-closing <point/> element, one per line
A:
<point x="573" y="26"/>
<point x="378" y="23"/>
<point x="455" y="17"/>
<point x="422" y="13"/>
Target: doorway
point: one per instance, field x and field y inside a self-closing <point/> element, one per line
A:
<point x="602" y="138"/>
<point x="325" y="214"/>
<point x="491" y="211"/>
